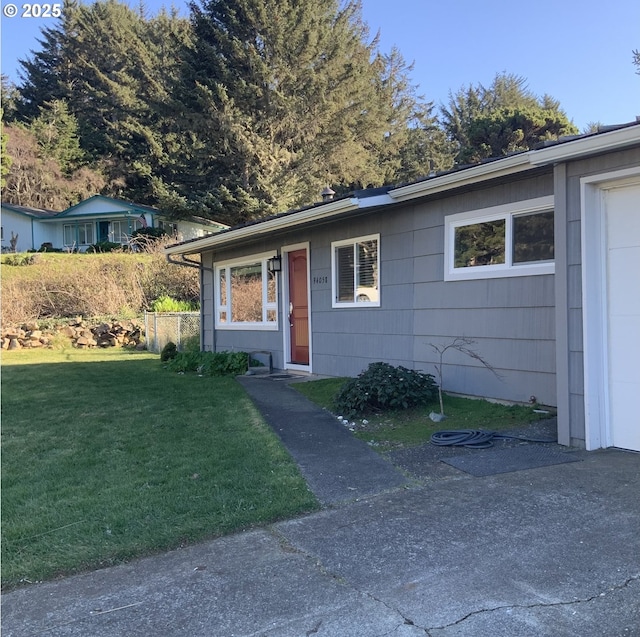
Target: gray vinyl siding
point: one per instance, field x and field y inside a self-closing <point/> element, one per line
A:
<point x="347" y="340"/>
<point x="206" y="302"/>
<point x="511" y="319"/>
<point x="569" y="314"/>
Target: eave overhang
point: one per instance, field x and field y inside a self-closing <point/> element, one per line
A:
<point x="283" y="222"/>
<point x="583" y="147"/>
<point x="467" y="176"/>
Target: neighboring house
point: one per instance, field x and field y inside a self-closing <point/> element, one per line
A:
<point x="535" y="256"/>
<point x="91" y="221"/>
<point x="21" y="227"/>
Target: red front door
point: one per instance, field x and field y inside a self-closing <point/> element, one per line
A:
<point x="298" y="307"/>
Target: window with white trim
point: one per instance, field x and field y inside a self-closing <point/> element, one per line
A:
<point x="117" y="232"/>
<point x="246" y="294"/>
<point x="78" y="234"/>
<point x="355" y="267"/>
<point x="510" y="240"/>
<point x="170" y="227"/>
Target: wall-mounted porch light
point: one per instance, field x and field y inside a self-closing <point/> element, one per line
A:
<point x="274" y="264"/>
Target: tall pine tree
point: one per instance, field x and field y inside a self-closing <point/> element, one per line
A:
<point x="114" y="68"/>
<point x="506" y="117"/>
<point x="56" y="131"/>
<point x="284" y="97"/>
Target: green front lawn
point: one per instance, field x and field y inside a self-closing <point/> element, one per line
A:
<point x="410" y="427"/>
<point x="106" y="456"/>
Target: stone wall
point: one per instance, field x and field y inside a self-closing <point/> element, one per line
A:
<point x="81" y="333"/>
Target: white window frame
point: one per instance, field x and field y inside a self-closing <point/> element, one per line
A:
<point x="267" y="306"/>
<point x="119" y="236"/>
<point x="72" y="232"/>
<point x="75" y="231"/>
<point x="334" y="273"/>
<point x="170" y="227"/>
<point x="495" y="213"/>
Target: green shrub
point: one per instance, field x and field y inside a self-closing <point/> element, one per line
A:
<point x="48" y="247"/>
<point x="18" y="258"/>
<point x="191" y="343"/>
<point x="168" y="352"/>
<point x="152" y="233"/>
<point x="105" y="246"/>
<point x="382" y="386"/>
<point x="209" y="363"/>
<point x="169" y="304"/>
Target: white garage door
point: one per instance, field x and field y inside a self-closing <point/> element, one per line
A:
<point x="622" y="209"/>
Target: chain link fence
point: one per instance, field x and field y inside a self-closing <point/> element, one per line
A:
<point x="176" y="327"/>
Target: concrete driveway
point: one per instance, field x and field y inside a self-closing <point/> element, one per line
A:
<point x="551" y="551"/>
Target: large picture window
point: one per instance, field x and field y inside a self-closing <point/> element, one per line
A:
<point x="511" y="240"/>
<point x="80" y="234"/>
<point x="355" y="272"/>
<point x="246" y="295"/>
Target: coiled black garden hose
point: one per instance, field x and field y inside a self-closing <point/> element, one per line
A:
<point x="476" y="438"/>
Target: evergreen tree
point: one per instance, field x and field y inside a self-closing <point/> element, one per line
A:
<point x="5" y="160"/>
<point x="508" y="130"/>
<point x="9" y="98"/>
<point x="414" y="145"/>
<point x="113" y="68"/>
<point x="506" y="117"/>
<point x="46" y="74"/>
<point x="284" y="97"/>
<point x="57" y="133"/>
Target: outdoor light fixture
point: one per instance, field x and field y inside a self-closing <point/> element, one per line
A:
<point x="274" y="264"/>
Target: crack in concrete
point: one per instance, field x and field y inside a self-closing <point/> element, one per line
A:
<point x="405" y="620"/>
<point x="287" y="546"/>
<point x="585" y="600"/>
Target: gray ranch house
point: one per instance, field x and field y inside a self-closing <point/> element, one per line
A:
<point x="534" y="256"/>
<point x="95" y="219"/>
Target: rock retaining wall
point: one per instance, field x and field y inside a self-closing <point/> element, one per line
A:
<point x="81" y="334"/>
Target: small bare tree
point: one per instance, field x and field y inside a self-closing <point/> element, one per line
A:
<point x="461" y="344"/>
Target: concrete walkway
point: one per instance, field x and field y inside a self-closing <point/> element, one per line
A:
<point x="547" y="552"/>
<point x="337" y="466"/>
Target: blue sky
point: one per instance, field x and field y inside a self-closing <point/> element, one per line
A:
<point x="578" y="51"/>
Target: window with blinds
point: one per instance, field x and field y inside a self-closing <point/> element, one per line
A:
<point x="355" y="272"/>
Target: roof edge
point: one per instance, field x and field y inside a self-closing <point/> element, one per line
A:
<point x="276" y="223"/>
<point x="474" y="174"/>
<point x="583" y="146"/>
<point x="616" y="139"/>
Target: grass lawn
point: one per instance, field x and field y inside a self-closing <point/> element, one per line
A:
<point x="411" y="427"/>
<point x="106" y="456"/>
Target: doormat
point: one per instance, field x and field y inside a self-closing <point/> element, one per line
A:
<point x="482" y="463"/>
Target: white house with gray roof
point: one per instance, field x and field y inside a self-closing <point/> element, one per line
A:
<point x="534" y="256"/>
<point x="93" y="220"/>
